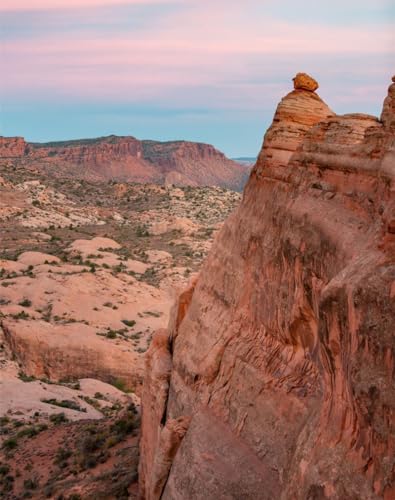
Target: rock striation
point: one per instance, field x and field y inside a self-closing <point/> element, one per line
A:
<point x="129" y="159"/>
<point x="275" y="377"/>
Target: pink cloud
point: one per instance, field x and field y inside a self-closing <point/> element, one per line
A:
<point x="210" y="45"/>
<point x="69" y="4"/>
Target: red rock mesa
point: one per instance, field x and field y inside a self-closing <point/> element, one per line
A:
<point x="129" y="159"/>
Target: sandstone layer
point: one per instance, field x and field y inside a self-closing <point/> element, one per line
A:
<point x="275" y="378"/>
<point x="129" y="159"/>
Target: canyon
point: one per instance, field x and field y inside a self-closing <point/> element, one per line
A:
<point x="129" y="159"/>
<point x="275" y="375"/>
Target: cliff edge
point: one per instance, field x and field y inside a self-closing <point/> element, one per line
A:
<point x="275" y="378"/>
<point x="181" y="163"/>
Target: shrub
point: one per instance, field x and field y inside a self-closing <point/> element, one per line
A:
<point x="4" y="469"/>
<point x="30" y="484"/>
<point x="26" y="378"/>
<point x="27" y="432"/>
<point x="25" y="303"/>
<point x="123" y="426"/>
<point x="128" y="322"/>
<point x="62" y="455"/>
<point x="21" y="315"/>
<point x="65" y="403"/>
<point x="10" y="444"/>
<point x="58" y="418"/>
<point x="119" y="384"/>
<point x="142" y="231"/>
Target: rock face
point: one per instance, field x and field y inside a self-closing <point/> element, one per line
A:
<point x="13" y="147"/>
<point x="279" y="360"/>
<point x="129" y="159"/>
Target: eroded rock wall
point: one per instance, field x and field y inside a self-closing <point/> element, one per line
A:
<point x="282" y="353"/>
<point x="127" y="158"/>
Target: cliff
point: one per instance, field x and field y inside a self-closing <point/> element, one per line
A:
<point x="13" y="147"/>
<point x="129" y="159"/>
<point x="275" y="378"/>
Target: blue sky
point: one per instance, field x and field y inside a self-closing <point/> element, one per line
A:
<point x="210" y="71"/>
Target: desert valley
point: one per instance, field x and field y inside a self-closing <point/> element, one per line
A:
<point x="89" y="269"/>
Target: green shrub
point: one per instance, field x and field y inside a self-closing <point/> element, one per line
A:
<point x="142" y="231"/>
<point x="58" y="418"/>
<point x="27" y="432"/>
<point x="25" y="303"/>
<point x="128" y="322"/>
<point x="26" y="378"/>
<point x="21" y="315"/>
<point x="4" y="469"/>
<point x="65" y="403"/>
<point x="10" y="444"/>
<point x="30" y="484"/>
<point x="119" y="384"/>
<point x="62" y="455"/>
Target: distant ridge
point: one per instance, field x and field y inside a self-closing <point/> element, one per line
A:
<point x="245" y="160"/>
<point x="126" y="158"/>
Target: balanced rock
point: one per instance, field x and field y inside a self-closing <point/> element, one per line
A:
<point x="303" y="81"/>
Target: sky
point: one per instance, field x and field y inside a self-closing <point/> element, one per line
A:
<point x="202" y="70"/>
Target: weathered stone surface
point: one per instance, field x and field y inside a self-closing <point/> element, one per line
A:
<point x="156" y="390"/>
<point x="13" y="147"/>
<point x="388" y="114"/>
<point x="69" y="352"/>
<point x="283" y="355"/>
<point x="303" y="81"/>
<point x="295" y="115"/>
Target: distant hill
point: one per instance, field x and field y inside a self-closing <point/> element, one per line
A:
<point x="248" y="161"/>
<point x="129" y="159"/>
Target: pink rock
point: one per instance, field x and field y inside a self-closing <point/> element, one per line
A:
<point x="282" y="353"/>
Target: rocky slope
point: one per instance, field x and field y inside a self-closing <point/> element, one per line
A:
<point x="275" y="378"/>
<point x="88" y="270"/>
<point x="129" y="159"/>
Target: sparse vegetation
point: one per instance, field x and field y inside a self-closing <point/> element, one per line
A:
<point x="128" y="322"/>
<point x="10" y="444"/>
<point x="58" y="418"/>
<point x="25" y="303"/>
<point x="78" y="200"/>
<point x="65" y="403"/>
<point x="26" y="378"/>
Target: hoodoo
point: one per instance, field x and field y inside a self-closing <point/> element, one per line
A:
<point x="275" y="378"/>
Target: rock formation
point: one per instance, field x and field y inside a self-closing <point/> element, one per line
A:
<point x="304" y="81"/>
<point x="278" y="363"/>
<point x="13" y="147"/>
<point x="129" y="159"/>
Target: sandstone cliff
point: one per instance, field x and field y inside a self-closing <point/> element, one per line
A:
<point x="129" y="159"/>
<point x="275" y="378"/>
<point x="13" y="147"/>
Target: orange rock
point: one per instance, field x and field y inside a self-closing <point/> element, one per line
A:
<point x="303" y="81"/>
<point x="283" y="354"/>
